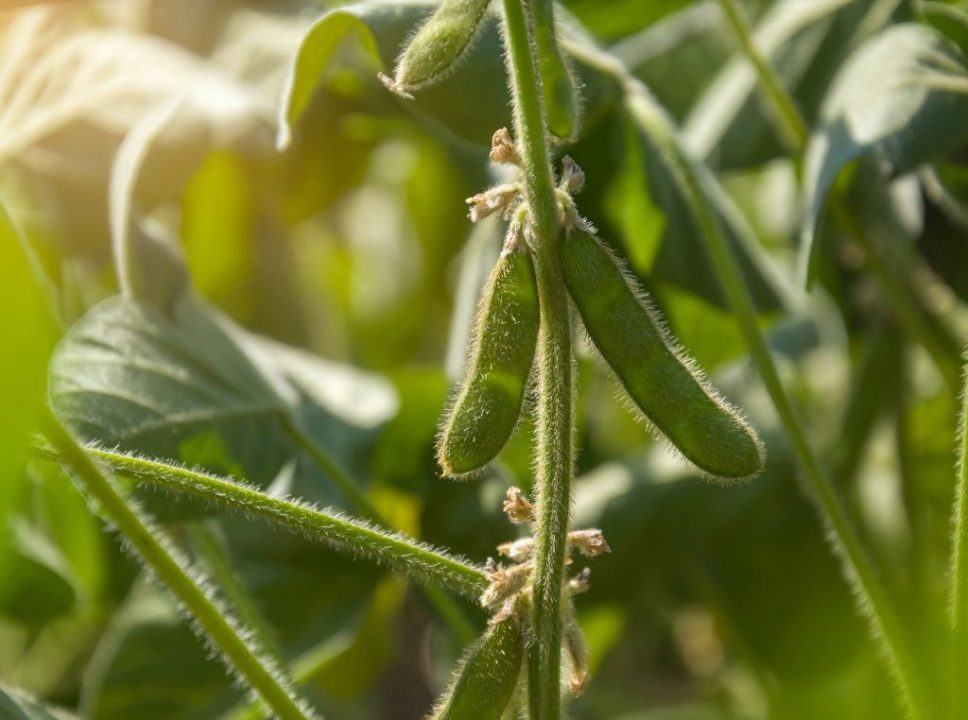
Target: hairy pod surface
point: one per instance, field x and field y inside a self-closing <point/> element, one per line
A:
<point x="557" y="84"/>
<point x="487" y="406"/>
<point x="659" y="378"/>
<point x="439" y="44"/>
<point x="488" y="676"/>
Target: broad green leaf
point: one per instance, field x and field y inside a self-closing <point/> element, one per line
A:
<point x="15" y="705"/>
<point x="470" y="103"/>
<point x="126" y="374"/>
<point x="130" y="375"/>
<point x="891" y="100"/>
<point x="380" y="29"/>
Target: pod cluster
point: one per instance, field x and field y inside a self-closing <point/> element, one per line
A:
<point x="662" y="382"/>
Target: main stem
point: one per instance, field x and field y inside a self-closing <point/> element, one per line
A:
<point x="260" y="673"/>
<point x="555" y="411"/>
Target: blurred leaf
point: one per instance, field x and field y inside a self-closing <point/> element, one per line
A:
<point x="75" y="90"/>
<point x="381" y="27"/>
<point x="887" y="101"/>
<point x="18" y="706"/>
<point x="108" y="78"/>
<point x="33" y="591"/>
<point x="150" y="665"/>
<point x="217" y="224"/>
<point x="951" y="19"/>
<point x="471" y="103"/>
<point x="728" y="124"/>
<point x="620" y="17"/>
<point x="679" y="55"/>
<point x="29" y="589"/>
<point x="126" y="374"/>
<point x="676" y="179"/>
<point x="631" y="206"/>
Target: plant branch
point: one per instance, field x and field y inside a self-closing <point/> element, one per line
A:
<point x="958" y="596"/>
<point x="842" y="534"/>
<point x="335" y="472"/>
<point x="263" y="676"/>
<point x="858" y="569"/>
<point x="555" y="411"/>
<point x="344" y="534"/>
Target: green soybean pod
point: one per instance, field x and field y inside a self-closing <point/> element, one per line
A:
<point x="662" y="381"/>
<point x="557" y="84"/>
<point x="439" y="44"/>
<point x="486" y="408"/>
<point x="487" y="676"/>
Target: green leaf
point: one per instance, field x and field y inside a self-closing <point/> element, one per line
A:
<point x="15" y="705"/>
<point x="888" y="101"/>
<point x="470" y="103"/>
<point x="951" y="19"/>
<point x="682" y="259"/>
<point x="129" y="375"/>
<point x="727" y="123"/>
<point x="125" y="374"/>
<point x="379" y="29"/>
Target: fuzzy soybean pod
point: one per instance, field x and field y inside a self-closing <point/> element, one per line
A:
<point x="557" y="85"/>
<point x="662" y="381"/>
<point x="486" y="408"/>
<point x="486" y="680"/>
<point x="439" y="44"/>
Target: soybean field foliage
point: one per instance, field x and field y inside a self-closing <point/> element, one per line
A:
<point x="483" y="359"/>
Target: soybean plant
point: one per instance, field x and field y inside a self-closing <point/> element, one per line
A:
<point x="552" y="261"/>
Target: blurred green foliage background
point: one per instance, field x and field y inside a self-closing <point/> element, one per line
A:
<point x="352" y="243"/>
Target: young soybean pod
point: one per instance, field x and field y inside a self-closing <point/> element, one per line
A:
<point x="488" y="676"/>
<point x="486" y="408"/>
<point x="438" y="45"/>
<point x="660" y="379"/>
<point x="557" y="85"/>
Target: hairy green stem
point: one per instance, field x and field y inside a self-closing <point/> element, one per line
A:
<point x="304" y="669"/>
<point x="554" y="452"/>
<point x="260" y="673"/>
<point x="342" y="533"/>
<point x="336" y="473"/>
<point x="214" y="558"/>
<point x="842" y="533"/>
<point x="885" y="627"/>
<point x="444" y="605"/>
<point x="958" y="596"/>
